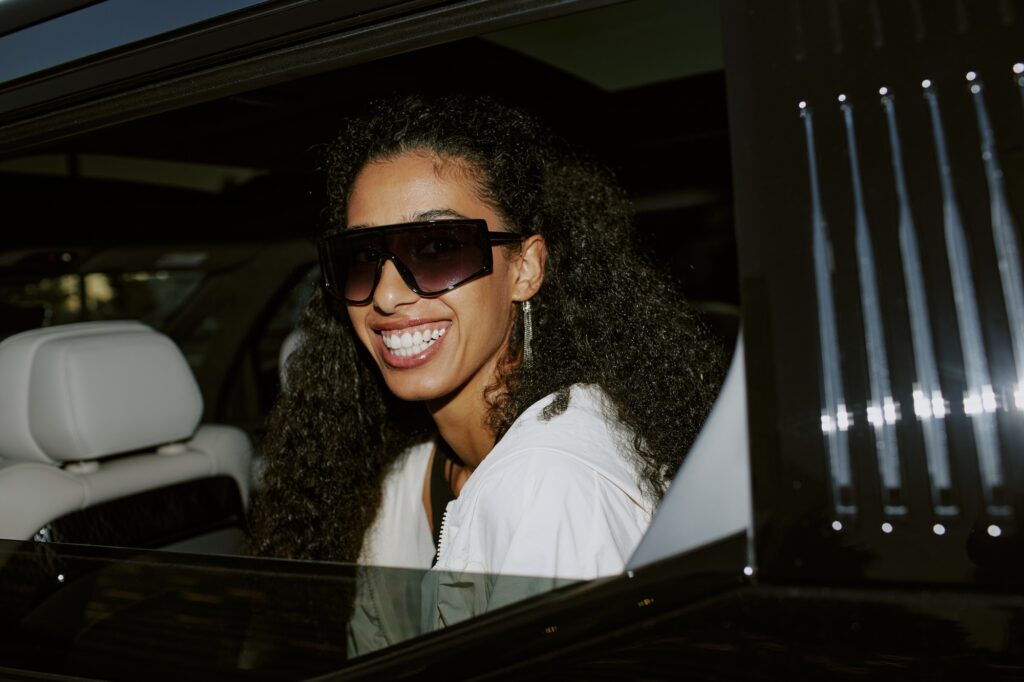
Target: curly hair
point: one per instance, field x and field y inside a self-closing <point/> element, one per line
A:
<point x="602" y="316"/>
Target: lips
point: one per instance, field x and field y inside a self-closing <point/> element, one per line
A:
<point x="411" y="345"/>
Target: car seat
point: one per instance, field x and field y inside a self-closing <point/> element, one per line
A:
<point x="100" y="443"/>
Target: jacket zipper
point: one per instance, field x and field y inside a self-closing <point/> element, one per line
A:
<point x="441" y="537"/>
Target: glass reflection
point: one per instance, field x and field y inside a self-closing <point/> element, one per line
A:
<point x="929" y="405"/>
<point x="882" y="409"/>
<point x="1005" y="238"/>
<point x="975" y="360"/>
<point x="106" y="613"/>
<point x="835" y="419"/>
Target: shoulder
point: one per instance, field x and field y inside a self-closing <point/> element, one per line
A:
<point x="543" y="512"/>
<point x="544" y="492"/>
<point x="585" y="444"/>
<point x="555" y="497"/>
<point x="534" y="472"/>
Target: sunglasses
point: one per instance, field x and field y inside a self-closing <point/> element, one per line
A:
<point x="432" y="257"/>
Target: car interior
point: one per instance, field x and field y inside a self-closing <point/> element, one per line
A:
<point x="200" y="222"/>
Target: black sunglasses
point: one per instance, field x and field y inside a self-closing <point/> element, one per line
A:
<point x="432" y="256"/>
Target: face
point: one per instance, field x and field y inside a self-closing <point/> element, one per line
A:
<point x="456" y="338"/>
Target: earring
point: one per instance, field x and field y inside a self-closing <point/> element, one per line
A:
<point x="527" y="334"/>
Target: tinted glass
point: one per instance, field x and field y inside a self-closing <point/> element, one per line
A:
<point x="109" y="613"/>
<point x="880" y="223"/>
<point x="151" y="297"/>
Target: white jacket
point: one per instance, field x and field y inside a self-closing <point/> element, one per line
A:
<point x="556" y="499"/>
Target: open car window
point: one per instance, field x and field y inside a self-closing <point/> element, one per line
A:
<point x="230" y="181"/>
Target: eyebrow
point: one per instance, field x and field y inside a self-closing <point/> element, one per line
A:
<point x="437" y="213"/>
<point x="432" y="214"/>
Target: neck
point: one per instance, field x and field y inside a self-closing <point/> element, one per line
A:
<point x="461" y="417"/>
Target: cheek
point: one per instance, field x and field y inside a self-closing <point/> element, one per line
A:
<point x="488" y="313"/>
<point x="356" y="316"/>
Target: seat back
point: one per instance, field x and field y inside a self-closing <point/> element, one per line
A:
<point x="100" y="442"/>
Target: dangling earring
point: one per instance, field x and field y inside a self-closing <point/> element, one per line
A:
<point x="527" y="334"/>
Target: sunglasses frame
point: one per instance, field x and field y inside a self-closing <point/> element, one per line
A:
<point x="485" y="239"/>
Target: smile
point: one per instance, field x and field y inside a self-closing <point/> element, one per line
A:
<point x="407" y="344"/>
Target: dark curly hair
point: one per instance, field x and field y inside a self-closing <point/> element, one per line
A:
<point x="602" y="316"/>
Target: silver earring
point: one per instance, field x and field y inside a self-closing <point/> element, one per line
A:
<point x="527" y="334"/>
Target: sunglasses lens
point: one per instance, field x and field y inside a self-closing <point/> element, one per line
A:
<point x="440" y="256"/>
<point x="436" y="256"/>
<point x="353" y="265"/>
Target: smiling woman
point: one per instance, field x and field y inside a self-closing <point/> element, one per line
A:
<point x="490" y="361"/>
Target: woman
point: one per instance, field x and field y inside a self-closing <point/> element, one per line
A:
<point x="491" y="379"/>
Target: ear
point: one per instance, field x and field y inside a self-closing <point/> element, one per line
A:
<point x="529" y="273"/>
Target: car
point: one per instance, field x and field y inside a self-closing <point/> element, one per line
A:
<point x="834" y="185"/>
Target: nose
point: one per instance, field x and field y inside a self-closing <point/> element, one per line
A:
<point x="392" y="291"/>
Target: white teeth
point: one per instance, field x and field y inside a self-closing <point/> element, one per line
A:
<point x="407" y="344"/>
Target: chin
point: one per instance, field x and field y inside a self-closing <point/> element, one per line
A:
<point x="411" y="389"/>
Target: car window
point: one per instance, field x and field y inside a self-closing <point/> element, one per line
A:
<point x="640" y="84"/>
<point x="243" y="615"/>
<point x="151" y="297"/>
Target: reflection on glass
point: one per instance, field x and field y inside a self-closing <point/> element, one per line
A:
<point x="152" y="297"/>
<point x="106" y="613"/>
<point x="98" y="291"/>
<point x="929" y="405"/>
<point x="394" y="605"/>
<point x="986" y="439"/>
<point x="882" y="409"/>
<point x="1003" y="234"/>
<point x="835" y="418"/>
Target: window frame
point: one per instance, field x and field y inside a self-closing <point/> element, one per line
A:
<point x="274" y="42"/>
<point x="152" y="78"/>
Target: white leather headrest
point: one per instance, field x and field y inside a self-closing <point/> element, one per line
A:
<point x="93" y="389"/>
